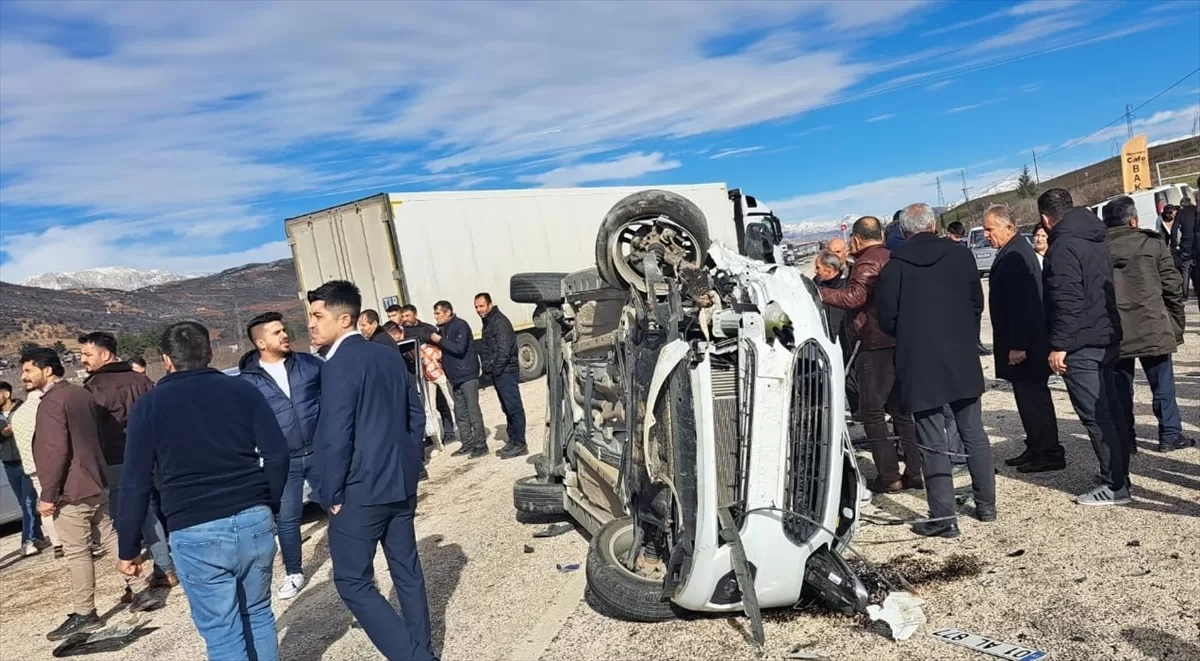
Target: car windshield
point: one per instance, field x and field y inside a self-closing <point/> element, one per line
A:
<point x="978" y="240"/>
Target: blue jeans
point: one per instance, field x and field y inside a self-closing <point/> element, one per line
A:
<point x="291" y="510"/>
<point x="1161" y="374"/>
<point x="22" y="486"/>
<point x="508" y="389"/>
<point x="154" y="534"/>
<point x="225" y="569"/>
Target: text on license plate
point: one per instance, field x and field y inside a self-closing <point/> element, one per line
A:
<point x="988" y="645"/>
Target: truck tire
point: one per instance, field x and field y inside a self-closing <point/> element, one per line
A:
<point x="617" y="592"/>
<point x="531" y="496"/>
<point x="536" y="288"/>
<point x="637" y="213"/>
<point x="531" y="356"/>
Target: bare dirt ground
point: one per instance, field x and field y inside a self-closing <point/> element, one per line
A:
<point x="1084" y="585"/>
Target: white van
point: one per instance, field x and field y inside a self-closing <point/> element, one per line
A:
<point x="1150" y="202"/>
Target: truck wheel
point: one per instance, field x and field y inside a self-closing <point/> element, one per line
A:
<point x="531" y="496"/>
<point x="640" y="223"/>
<point x="536" y="288"/>
<point x="617" y="591"/>
<point x="531" y="356"/>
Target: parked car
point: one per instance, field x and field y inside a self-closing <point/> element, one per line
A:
<point x="694" y="423"/>
<point x="10" y="508"/>
<point x="984" y="253"/>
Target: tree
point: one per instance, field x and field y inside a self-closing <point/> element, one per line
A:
<point x="59" y="347"/>
<point x="1026" y="187"/>
<point x="135" y="345"/>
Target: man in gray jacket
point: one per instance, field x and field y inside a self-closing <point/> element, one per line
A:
<point x="1149" y="291"/>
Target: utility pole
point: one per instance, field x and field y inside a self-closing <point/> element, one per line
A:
<point x="1036" y="177"/>
<point x="1129" y="120"/>
<point x="966" y="197"/>
<point x="941" y="198"/>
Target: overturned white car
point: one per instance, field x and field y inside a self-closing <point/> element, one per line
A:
<point x="695" y="423"/>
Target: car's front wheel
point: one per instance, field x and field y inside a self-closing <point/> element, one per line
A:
<point x="615" y="589"/>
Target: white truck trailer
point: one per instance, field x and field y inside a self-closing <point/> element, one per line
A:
<point x="420" y="248"/>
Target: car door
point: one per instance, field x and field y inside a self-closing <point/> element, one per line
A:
<point x="10" y="509"/>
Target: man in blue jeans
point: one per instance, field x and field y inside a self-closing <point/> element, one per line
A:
<point x="32" y="542"/>
<point x="1150" y="301"/>
<point x="223" y="462"/>
<point x="498" y="356"/>
<point x="291" y="382"/>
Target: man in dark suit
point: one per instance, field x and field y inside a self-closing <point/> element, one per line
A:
<point x="1019" y="341"/>
<point x="369" y="447"/>
<point x="929" y="298"/>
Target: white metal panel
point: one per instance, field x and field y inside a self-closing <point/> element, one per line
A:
<point x="453" y="245"/>
<point x="349" y="242"/>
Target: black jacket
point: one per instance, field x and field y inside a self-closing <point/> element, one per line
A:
<point x="1077" y="285"/>
<point x="837" y="316"/>
<point x="1018" y="319"/>
<point x="382" y="337"/>
<point x="460" y="360"/>
<point x="1189" y="238"/>
<point x="929" y="298"/>
<point x="1149" y="292"/>
<point x="498" y="348"/>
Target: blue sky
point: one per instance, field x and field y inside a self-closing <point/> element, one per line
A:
<point x="179" y="137"/>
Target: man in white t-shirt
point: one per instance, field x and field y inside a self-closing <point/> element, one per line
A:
<point x="291" y="382"/>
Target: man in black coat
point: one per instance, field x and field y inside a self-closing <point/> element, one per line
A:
<point x="460" y="361"/>
<point x="498" y="355"/>
<point x="1085" y="335"/>
<point x="929" y="298"/>
<point x="1151" y="304"/>
<point x="1188" y="223"/>
<point x="1019" y="343"/>
<point x="830" y="271"/>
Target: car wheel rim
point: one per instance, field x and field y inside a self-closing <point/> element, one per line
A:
<point x="626" y="257"/>
<point x="619" y="544"/>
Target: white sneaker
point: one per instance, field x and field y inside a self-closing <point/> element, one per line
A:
<point x="292" y="584"/>
<point x="29" y="549"/>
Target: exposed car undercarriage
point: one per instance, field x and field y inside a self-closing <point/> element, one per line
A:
<point x="695" y="422"/>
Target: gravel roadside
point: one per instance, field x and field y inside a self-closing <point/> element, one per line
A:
<point x="1107" y="584"/>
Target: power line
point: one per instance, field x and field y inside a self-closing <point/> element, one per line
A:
<point x="1128" y="111"/>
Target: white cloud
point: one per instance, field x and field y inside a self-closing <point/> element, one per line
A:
<point x="165" y="114"/>
<point x="1159" y="126"/>
<point x="1030" y="150"/>
<point x="726" y="153"/>
<point x="825" y="209"/>
<point x="880" y="118"/>
<point x="811" y="131"/>
<point x="1032" y="8"/>
<point x="629" y="166"/>
<point x="941" y="84"/>
<point x="982" y="104"/>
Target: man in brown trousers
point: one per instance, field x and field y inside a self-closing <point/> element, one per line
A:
<point x="71" y="466"/>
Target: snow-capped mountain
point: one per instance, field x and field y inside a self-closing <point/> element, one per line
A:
<point x="110" y="277"/>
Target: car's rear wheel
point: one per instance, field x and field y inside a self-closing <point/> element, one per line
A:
<point x="657" y="221"/>
<point x="616" y="590"/>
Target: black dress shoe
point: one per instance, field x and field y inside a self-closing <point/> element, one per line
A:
<point x="513" y="451"/>
<point x="947" y="529"/>
<point x="481" y="452"/>
<point x="463" y="451"/>
<point x="1183" y="443"/>
<point x="1043" y="465"/>
<point x="985" y="514"/>
<point x="1021" y="459"/>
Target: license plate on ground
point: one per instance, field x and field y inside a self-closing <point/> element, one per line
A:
<point x="988" y="645"/>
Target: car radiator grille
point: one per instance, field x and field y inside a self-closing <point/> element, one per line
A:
<point x="809" y="440"/>
<point x="725" y="431"/>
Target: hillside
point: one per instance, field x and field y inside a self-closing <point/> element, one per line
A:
<point x="1094" y="183"/>
<point x="223" y="302"/>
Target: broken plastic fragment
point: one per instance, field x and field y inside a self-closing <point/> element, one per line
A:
<point x="902" y="611"/>
<point x="567" y="568"/>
